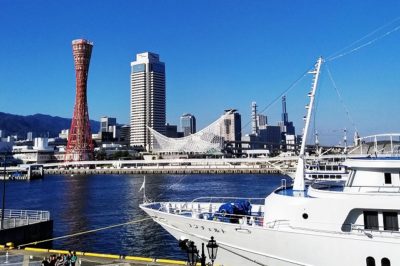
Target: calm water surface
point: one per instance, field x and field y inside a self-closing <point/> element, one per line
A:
<point x="80" y="203"/>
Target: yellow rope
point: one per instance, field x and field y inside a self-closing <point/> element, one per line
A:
<point x="85" y="232"/>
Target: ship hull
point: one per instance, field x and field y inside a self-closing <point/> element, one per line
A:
<point x="255" y="245"/>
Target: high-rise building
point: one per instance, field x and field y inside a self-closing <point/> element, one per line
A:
<point x="188" y="124"/>
<point x="147" y="98"/>
<point x="254" y="126"/>
<point x="80" y="144"/>
<point x="286" y="126"/>
<point x="231" y="126"/>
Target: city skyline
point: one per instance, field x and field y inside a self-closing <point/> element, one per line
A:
<point x="219" y="56"/>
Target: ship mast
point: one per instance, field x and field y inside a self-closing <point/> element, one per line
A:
<point x="299" y="177"/>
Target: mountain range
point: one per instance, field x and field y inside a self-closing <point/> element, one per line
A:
<point x="40" y="124"/>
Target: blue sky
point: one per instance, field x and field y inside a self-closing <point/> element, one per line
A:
<point x="218" y="55"/>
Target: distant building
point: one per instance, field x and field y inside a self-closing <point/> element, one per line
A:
<point x="107" y="123"/>
<point x="287" y="127"/>
<point x="29" y="136"/>
<point x="254" y="125"/>
<point x="64" y="134"/>
<point x="231" y="128"/>
<point x="262" y="121"/>
<point x="39" y="153"/>
<point x="171" y="131"/>
<point x="147" y="98"/>
<point x="125" y="134"/>
<point x="188" y="124"/>
<point x="271" y="135"/>
<point x="109" y="130"/>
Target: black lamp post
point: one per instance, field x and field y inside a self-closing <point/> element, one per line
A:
<point x="192" y="254"/>
<point x="212" y="248"/>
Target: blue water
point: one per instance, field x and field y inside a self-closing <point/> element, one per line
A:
<point x="80" y="203"/>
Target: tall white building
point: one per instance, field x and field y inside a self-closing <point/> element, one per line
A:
<point x="147" y="98"/>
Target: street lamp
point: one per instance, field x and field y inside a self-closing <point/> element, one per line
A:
<point x="192" y="254"/>
<point x="212" y="248"/>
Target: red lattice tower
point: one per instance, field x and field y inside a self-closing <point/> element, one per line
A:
<point x="80" y="144"/>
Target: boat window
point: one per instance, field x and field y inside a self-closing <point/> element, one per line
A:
<point x="385" y="262"/>
<point x="332" y="176"/>
<point x="329" y="168"/>
<point x="338" y="176"/>
<point x="390" y="221"/>
<point x="335" y="168"/>
<point x="370" y="261"/>
<point x="320" y="176"/>
<point x="371" y="220"/>
<point x="388" y="178"/>
<point x="314" y="176"/>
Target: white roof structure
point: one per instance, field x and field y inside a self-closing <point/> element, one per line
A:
<point x="207" y="140"/>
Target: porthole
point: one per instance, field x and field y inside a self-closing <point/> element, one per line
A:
<point x="385" y="262"/>
<point x="305" y="216"/>
<point x="370" y="261"/>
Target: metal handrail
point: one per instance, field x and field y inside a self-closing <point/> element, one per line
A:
<point x="24" y="214"/>
<point x="213" y="199"/>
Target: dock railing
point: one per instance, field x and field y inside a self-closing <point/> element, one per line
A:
<point x="15" y="218"/>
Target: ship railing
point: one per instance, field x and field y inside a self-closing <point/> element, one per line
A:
<point x="252" y="219"/>
<point x="258" y="201"/>
<point x="15" y="218"/>
<point x="378" y="144"/>
<point x="375" y="230"/>
<point x="392" y="189"/>
<point x="277" y="223"/>
<point x="210" y="211"/>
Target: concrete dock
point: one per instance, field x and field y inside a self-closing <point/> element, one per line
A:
<point x="34" y="256"/>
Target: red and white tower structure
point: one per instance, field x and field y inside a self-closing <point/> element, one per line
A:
<point x="80" y="144"/>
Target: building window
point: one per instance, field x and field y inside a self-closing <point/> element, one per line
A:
<point x="385" y="262"/>
<point x="388" y="178"/>
<point x="390" y="221"/>
<point x="370" y="261"/>
<point x="371" y="220"/>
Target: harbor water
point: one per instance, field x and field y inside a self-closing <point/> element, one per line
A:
<point x="80" y="203"/>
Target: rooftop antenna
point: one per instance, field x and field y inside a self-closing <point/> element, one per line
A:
<point x="317" y="143"/>
<point x="299" y="177"/>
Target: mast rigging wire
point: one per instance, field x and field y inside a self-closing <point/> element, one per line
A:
<point x="279" y="96"/>
<point x="341" y="98"/>
<point x="336" y="55"/>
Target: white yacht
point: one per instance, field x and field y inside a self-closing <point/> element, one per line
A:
<point x="321" y="224"/>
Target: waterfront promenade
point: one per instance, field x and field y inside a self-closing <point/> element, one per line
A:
<point x="276" y="165"/>
<point x="34" y="256"/>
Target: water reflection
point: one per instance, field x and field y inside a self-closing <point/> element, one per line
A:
<point x="80" y="203"/>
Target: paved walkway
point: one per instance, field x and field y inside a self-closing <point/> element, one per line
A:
<point x="17" y="257"/>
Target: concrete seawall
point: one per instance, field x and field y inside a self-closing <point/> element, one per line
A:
<point x="85" y="171"/>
